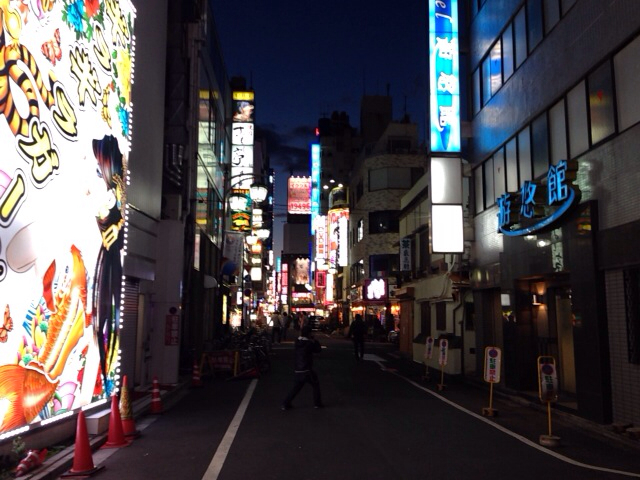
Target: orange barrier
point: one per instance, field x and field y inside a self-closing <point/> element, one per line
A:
<point x="156" y="403"/>
<point x="126" y="414"/>
<point x="115" y="438"/>
<point x="82" y="459"/>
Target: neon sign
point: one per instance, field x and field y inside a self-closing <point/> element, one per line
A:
<point x="444" y="80"/>
<point x="537" y="206"/>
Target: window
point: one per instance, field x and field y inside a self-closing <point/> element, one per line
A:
<point x="393" y="177"/>
<point x="558" y="131"/>
<point x="441" y="316"/>
<point x="632" y="313"/>
<point x="534" y="18"/>
<point x="489" y="193"/>
<point x="566" y="5"/>
<point x="486" y="80"/>
<point x="383" y="265"/>
<point x="477" y="97"/>
<point x="627" y="72"/>
<point x="511" y="154"/>
<point x="577" y="118"/>
<point x="601" y="103"/>
<point x="357" y="271"/>
<point x="540" y="142"/>
<point x="520" y="37"/>
<point x="425" y="318"/>
<point x="387" y="221"/>
<point x="399" y="145"/>
<point x="507" y="52"/>
<point x="360" y="232"/>
<point x="524" y="155"/>
<point x="551" y="14"/>
<point x="499" y="175"/>
<point x="496" y="67"/>
<point x="479" y="189"/>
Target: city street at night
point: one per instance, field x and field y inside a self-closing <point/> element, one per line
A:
<point x="380" y="421"/>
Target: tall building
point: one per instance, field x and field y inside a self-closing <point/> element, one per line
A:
<point x="556" y="131"/>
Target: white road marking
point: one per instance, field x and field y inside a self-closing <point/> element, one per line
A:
<point x="225" y="445"/>
<point x="524" y="440"/>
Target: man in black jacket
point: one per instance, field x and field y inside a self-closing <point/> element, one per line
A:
<point x="305" y="347"/>
<point x="357" y="331"/>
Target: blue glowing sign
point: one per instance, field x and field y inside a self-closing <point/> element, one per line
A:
<point x="444" y="76"/>
<point x="315" y="182"/>
<point x="537" y="206"/>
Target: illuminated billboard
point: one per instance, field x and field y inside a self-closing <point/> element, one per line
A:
<point x="444" y="76"/>
<point x="65" y="131"/>
<point x="315" y="182"/>
<point x="242" y="138"/>
<point x="338" y="237"/>
<point x="299" y="195"/>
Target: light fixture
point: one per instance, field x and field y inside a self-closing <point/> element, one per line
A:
<point x="263" y="233"/>
<point x="258" y="192"/>
<point x="238" y="202"/>
<point x="536" y="300"/>
<point x="252" y="239"/>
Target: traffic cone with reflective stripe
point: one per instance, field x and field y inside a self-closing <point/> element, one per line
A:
<point x="82" y="460"/>
<point x="156" y="403"/>
<point x="115" y="438"/>
<point x="126" y="414"/>
<point x="196" y="381"/>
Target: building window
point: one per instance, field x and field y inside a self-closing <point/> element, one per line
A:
<point x="520" y="37"/>
<point x="441" y="316"/>
<point x="357" y="271"/>
<point x="479" y="182"/>
<point x="507" y="52"/>
<point x="551" y="14"/>
<point x="425" y="318"/>
<point x="511" y="153"/>
<point x="558" y="131"/>
<point x="524" y="155"/>
<point x="477" y="98"/>
<point x="383" y="265"/>
<point x="393" y="177"/>
<point x="489" y="193"/>
<point x="540" y="142"/>
<point x="601" y="104"/>
<point x="499" y="173"/>
<point x="577" y="118"/>
<point x="632" y="310"/>
<point x="627" y="72"/>
<point x="534" y="23"/>
<point x="386" y="221"/>
<point x="360" y="232"/>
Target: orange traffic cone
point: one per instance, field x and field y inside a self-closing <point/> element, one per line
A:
<point x="196" y="381"/>
<point x="82" y="459"/>
<point x="156" y="403"/>
<point x="126" y="414"/>
<point x="115" y="438"/>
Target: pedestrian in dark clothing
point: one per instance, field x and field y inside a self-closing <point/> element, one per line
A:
<point x="305" y="347"/>
<point x="356" y="333"/>
<point x="286" y="321"/>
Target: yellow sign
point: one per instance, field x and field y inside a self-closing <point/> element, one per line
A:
<point x="243" y="95"/>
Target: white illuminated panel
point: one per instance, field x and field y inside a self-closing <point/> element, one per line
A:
<point x="63" y="212"/>
<point x="242" y="134"/>
<point x="446" y="229"/>
<point x="446" y="180"/>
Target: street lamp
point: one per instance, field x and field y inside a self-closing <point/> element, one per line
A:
<point x="239" y="201"/>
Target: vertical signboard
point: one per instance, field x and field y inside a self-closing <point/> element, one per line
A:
<point x="242" y="138"/>
<point x="444" y="81"/>
<point x="299" y="195"/>
<point x="65" y="131"/>
<point x="405" y="254"/>
<point x="315" y="183"/>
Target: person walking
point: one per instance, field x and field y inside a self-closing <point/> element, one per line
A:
<point x="286" y="323"/>
<point x="276" y="327"/>
<point x="356" y="333"/>
<point x="305" y="347"/>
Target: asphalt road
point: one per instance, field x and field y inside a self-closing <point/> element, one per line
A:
<point x="380" y="421"/>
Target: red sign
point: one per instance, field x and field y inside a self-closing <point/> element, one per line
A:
<point x="299" y="200"/>
<point x="492" y="360"/>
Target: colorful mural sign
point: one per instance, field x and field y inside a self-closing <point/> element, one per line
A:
<point x="65" y="131"/>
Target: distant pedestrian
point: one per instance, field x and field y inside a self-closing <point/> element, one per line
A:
<point x="276" y="327"/>
<point x="286" y="323"/>
<point x="357" y="331"/>
<point x="305" y="347"/>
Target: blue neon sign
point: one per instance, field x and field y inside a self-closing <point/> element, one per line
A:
<point x="525" y="213"/>
<point x="444" y="76"/>
<point x="315" y="182"/>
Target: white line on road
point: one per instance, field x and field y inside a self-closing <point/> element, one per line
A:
<point x="225" y="445"/>
<point x="524" y="440"/>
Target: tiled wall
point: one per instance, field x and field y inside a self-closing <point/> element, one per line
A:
<point x="625" y="377"/>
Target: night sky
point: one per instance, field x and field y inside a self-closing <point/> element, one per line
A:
<point x="307" y="59"/>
